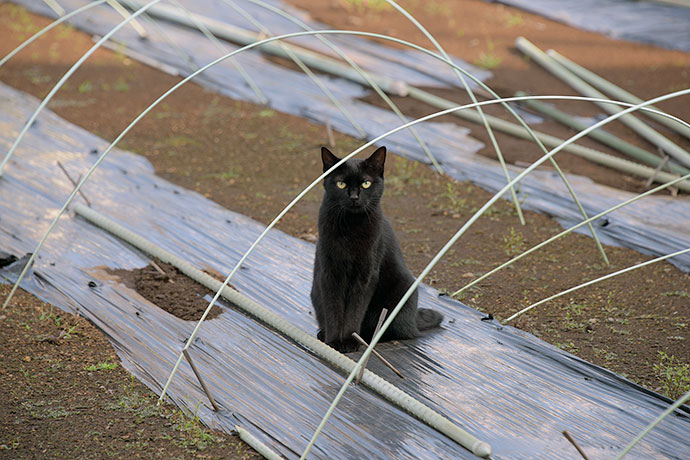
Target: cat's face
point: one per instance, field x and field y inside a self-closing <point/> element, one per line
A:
<point x="357" y="185"/>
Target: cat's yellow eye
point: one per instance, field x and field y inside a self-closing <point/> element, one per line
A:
<point x="341" y="184"/>
<point x="366" y="184"/>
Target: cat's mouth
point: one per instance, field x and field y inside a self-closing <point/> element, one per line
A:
<point x="356" y="207"/>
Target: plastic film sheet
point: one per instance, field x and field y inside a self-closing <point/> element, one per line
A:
<point x="659" y="24"/>
<point x="656" y="227"/>
<point x="500" y="384"/>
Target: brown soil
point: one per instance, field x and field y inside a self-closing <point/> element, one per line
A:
<point x="66" y="396"/>
<point x="170" y="290"/>
<point x="237" y="154"/>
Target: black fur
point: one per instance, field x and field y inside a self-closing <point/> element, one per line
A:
<point x="359" y="268"/>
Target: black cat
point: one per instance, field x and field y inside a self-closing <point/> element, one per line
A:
<point x="359" y="268"/>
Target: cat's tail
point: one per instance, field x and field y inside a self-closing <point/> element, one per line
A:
<point x="428" y="319"/>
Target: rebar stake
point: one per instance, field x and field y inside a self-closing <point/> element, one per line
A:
<point x="201" y="381"/>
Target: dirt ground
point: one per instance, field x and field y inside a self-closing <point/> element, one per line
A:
<point x="65" y="395"/>
<point x="236" y="153"/>
<point x="164" y="285"/>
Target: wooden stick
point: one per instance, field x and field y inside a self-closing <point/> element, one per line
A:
<point x="329" y="131"/>
<point x="74" y="183"/>
<point x="572" y="441"/>
<point x="382" y="317"/>
<point x="656" y="171"/>
<point x="378" y="355"/>
<point x="201" y="381"/>
<point x="160" y="270"/>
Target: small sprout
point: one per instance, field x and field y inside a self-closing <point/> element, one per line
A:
<point x="674" y="375"/>
<point x="104" y="366"/>
<point x="513" y="243"/>
<point x="85" y="87"/>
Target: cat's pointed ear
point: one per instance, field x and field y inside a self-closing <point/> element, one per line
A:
<point x="328" y="159"/>
<point x="377" y="160"/>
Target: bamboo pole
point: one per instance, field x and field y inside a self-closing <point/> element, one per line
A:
<point x="244" y="37"/>
<point x="55" y="6"/>
<point x="125" y="14"/>
<point x="582" y="87"/>
<point x="513" y="129"/>
<point x="616" y="91"/>
<point x="602" y="136"/>
<point x="303" y="67"/>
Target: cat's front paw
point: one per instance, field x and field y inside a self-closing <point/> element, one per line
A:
<point x="345" y="346"/>
<point x="321" y="336"/>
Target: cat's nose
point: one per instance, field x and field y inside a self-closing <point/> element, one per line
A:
<point x="354" y="196"/>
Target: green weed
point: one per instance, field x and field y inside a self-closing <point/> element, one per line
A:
<point x="177" y="142"/>
<point x="35" y="76"/>
<point x="487" y="59"/>
<point x="675" y="376"/>
<point x="437" y="9"/>
<point x="229" y="175"/>
<point x="266" y="113"/>
<point x="85" y="87"/>
<point x="458" y="204"/>
<point x="576" y="308"/>
<point x="40" y="410"/>
<point x="48" y="315"/>
<point x="194" y="434"/>
<point x="104" y="366"/>
<point x="121" y="85"/>
<point x="404" y="173"/>
<point x="568" y="346"/>
<point x="571" y="324"/>
<point x="365" y="6"/>
<point x="21" y="22"/>
<point x="614" y="330"/>
<point x="135" y="402"/>
<point x="513" y="20"/>
<point x="513" y="243"/>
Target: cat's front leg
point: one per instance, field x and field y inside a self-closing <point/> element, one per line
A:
<point x="355" y="312"/>
<point x="337" y="332"/>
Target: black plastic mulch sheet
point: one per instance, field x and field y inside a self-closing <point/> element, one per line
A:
<point x="643" y="21"/>
<point x="503" y="385"/>
<point x="656" y="226"/>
